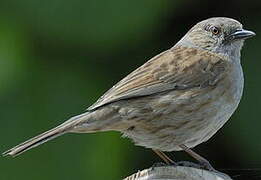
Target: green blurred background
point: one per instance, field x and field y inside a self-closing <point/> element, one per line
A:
<point x="58" y="56"/>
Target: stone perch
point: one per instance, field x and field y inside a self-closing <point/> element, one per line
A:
<point x="177" y="173"/>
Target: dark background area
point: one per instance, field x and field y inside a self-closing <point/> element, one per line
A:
<point x="58" y="56"/>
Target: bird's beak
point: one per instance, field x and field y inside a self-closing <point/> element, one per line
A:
<point x="240" y="34"/>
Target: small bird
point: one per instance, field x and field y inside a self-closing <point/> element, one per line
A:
<point x="176" y="100"/>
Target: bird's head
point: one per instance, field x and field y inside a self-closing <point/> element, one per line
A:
<point x="219" y="35"/>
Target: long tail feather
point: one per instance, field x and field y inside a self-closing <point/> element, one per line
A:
<point x="44" y="137"/>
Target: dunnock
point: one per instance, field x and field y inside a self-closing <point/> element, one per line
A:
<point x="176" y="100"/>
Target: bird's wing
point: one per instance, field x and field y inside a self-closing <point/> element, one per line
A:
<point x="175" y="69"/>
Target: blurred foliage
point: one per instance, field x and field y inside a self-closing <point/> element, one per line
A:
<point x="57" y="57"/>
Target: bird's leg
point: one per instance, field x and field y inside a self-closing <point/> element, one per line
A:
<point x="164" y="157"/>
<point x="204" y="162"/>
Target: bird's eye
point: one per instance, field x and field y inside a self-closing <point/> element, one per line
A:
<point x="215" y="30"/>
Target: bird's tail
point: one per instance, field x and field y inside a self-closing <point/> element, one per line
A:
<point x="46" y="136"/>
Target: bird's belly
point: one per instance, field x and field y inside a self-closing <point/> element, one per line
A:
<point x="188" y="118"/>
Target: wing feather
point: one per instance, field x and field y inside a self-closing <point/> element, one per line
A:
<point x="174" y="69"/>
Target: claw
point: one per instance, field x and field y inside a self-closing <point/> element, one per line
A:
<point x="206" y="165"/>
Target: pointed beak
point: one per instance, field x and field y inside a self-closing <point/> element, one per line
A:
<point x="240" y="34"/>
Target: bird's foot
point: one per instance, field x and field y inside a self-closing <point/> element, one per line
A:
<point x="201" y="165"/>
<point x="188" y="164"/>
<point x="206" y="165"/>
